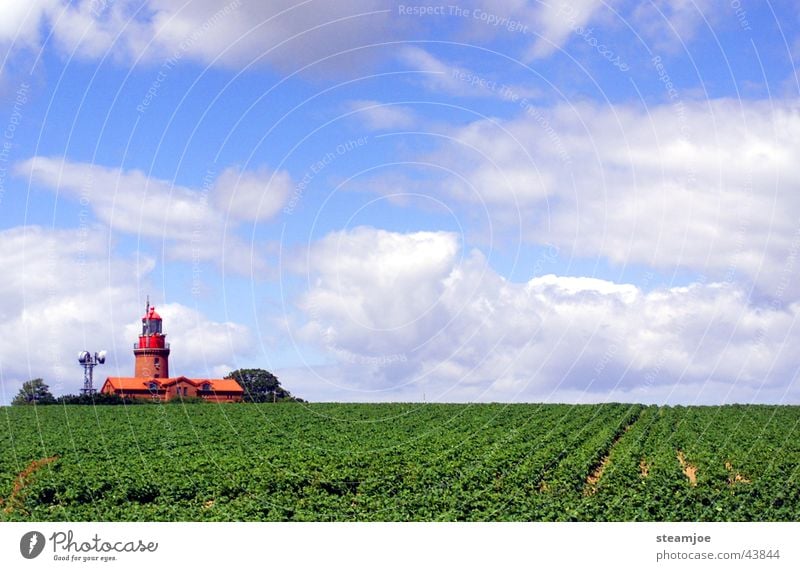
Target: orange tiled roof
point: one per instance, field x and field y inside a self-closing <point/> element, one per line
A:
<point x="128" y="383"/>
<point x="229" y="385"/>
<point x="174" y="380"/>
<point x="142" y="384"/>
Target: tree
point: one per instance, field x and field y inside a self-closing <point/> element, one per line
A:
<point x="261" y="386"/>
<point x="34" y="391"/>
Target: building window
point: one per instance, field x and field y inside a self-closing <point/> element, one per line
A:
<point x="206" y="386"/>
<point x="152" y="386"/>
<point x="185" y="390"/>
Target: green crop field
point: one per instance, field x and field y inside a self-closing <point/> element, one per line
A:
<point x="379" y="462"/>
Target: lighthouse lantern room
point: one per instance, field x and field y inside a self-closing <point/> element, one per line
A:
<point x="152" y="350"/>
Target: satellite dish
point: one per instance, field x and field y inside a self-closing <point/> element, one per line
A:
<point x="83" y="357"/>
<point x="101" y="357"/>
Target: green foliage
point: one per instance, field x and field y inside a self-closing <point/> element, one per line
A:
<point x="186" y="400"/>
<point x="399" y="462"/>
<point x="261" y="386"/>
<point x="34" y="391"/>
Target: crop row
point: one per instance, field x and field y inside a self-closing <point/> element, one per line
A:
<point x="334" y="462"/>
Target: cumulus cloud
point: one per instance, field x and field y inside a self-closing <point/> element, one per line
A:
<point x="345" y="261"/>
<point x="66" y="291"/>
<point x="197" y="225"/>
<point x="400" y="315"/>
<point x="709" y="186"/>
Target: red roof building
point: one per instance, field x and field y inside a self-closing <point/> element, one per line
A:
<point x="151" y="378"/>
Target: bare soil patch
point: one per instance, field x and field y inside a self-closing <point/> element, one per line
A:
<point x="689" y="470"/>
<point x="735" y="477"/>
<point x="594" y="476"/>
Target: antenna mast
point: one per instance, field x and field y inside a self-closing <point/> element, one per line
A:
<point x="89" y="362"/>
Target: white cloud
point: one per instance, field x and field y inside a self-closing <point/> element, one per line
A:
<point x="438" y="75"/>
<point x="710" y="186"/>
<point x="442" y="77"/>
<point x="379" y="116"/>
<point x="286" y="33"/>
<point x="94" y="29"/>
<point x="251" y="195"/>
<point x="391" y="263"/>
<point x="329" y="37"/>
<point x="557" y="20"/>
<point x="665" y="24"/>
<point x="197" y="225"/>
<point x="20" y="20"/>
<point x="128" y="201"/>
<point x="87" y="28"/>
<point x="671" y="24"/>
<point x="66" y="291"/>
<point x="400" y="315"/>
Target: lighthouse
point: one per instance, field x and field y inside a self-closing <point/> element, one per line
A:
<point x="151" y="378"/>
<point x="152" y="350"/>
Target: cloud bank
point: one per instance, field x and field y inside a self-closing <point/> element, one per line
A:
<point x="402" y="315"/>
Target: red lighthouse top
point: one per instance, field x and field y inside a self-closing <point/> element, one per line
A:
<point x="151" y="336"/>
<point x="151" y="313"/>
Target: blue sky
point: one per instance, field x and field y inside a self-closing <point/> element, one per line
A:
<point x="508" y="201"/>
